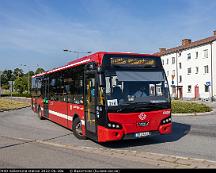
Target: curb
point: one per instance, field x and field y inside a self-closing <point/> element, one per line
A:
<point x="7" y="110"/>
<point x="194" y="114"/>
<point x="155" y="159"/>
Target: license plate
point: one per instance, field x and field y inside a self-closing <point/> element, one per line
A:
<point x="142" y="134"/>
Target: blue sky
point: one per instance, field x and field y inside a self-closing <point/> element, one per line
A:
<point x="36" y="31"/>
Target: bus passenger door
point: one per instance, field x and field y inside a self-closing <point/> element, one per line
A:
<point x="90" y="105"/>
<point x="46" y="97"/>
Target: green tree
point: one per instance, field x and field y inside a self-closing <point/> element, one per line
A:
<point x="31" y="73"/>
<point x="7" y="75"/>
<point x="39" y="70"/>
<point x="18" y="72"/>
<point x="28" y="77"/>
<point x="21" y="84"/>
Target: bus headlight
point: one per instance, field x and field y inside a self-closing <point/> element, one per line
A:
<point x="166" y="120"/>
<point x="113" y="125"/>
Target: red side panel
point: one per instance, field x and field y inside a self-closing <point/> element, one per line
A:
<point x="76" y="109"/>
<point x="40" y="102"/>
<point x="33" y="101"/>
<point x="58" y="112"/>
<point x="62" y="112"/>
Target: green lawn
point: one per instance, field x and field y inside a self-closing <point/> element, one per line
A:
<point x="6" y="104"/>
<point x="189" y="107"/>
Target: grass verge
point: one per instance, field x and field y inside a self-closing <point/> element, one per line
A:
<point x="189" y="107"/>
<point x="6" y="104"/>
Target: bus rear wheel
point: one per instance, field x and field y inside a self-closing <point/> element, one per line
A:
<point x="40" y="114"/>
<point x="77" y="129"/>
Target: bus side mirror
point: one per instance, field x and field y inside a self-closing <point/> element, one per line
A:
<point x="101" y="81"/>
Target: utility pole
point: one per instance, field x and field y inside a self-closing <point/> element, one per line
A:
<point x="0" y="83"/>
<point x="28" y="74"/>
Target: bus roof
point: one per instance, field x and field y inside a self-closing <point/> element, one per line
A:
<point x="97" y="57"/>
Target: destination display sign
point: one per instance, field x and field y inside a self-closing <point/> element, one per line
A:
<point x="133" y="61"/>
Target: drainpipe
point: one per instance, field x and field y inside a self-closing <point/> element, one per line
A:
<point x="177" y="73"/>
<point x="211" y="74"/>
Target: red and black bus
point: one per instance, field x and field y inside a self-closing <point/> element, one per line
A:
<point x="106" y="96"/>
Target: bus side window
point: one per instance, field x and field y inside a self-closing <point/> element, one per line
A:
<point x="78" y="96"/>
<point x="52" y="89"/>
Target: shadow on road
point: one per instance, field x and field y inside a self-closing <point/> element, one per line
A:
<point x="179" y="130"/>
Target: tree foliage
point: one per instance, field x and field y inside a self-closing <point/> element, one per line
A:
<point x="21" y="79"/>
<point x="18" y="72"/>
<point x="6" y="76"/>
<point x="39" y="70"/>
<point x="21" y="84"/>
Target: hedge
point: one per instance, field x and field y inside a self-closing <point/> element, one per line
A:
<point x="189" y="107"/>
<point x="17" y="95"/>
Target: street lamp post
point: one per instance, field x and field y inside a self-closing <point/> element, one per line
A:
<point x="77" y="52"/>
<point x="28" y="75"/>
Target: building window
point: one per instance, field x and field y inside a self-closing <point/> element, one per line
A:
<point x="189" y="56"/>
<point x="180" y="79"/>
<point x="206" y="70"/>
<point x="205" y="53"/>
<point x="206" y="88"/>
<point x="189" y="88"/>
<point x="173" y="60"/>
<point x="173" y="72"/>
<point x="180" y="65"/>
<point x="197" y="70"/>
<point x="197" y="55"/>
<point x="167" y="61"/>
<point x="189" y="71"/>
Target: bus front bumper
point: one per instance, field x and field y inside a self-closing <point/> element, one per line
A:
<point x="105" y="134"/>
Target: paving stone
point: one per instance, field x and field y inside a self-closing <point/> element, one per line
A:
<point x="183" y="166"/>
<point x="169" y="159"/>
<point x="149" y="156"/>
<point x="183" y="161"/>
<point x="211" y="166"/>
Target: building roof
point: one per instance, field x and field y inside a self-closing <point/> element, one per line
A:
<point x="188" y="46"/>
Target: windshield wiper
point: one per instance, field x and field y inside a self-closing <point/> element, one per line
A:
<point x="124" y="108"/>
<point x="139" y="105"/>
<point x="132" y="105"/>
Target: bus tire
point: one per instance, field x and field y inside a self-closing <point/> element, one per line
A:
<point x="40" y="114"/>
<point x="77" y="129"/>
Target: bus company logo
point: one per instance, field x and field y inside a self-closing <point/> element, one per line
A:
<point x="142" y="116"/>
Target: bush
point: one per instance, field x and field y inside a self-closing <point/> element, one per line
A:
<point x="22" y="95"/>
<point x="17" y="95"/>
<point x="189" y="107"/>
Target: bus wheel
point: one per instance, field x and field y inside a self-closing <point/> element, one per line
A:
<point x="40" y="114"/>
<point x="77" y="129"/>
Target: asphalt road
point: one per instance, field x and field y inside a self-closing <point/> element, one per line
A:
<point x="21" y="132"/>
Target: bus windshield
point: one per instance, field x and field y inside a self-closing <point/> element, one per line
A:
<point x="146" y="86"/>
